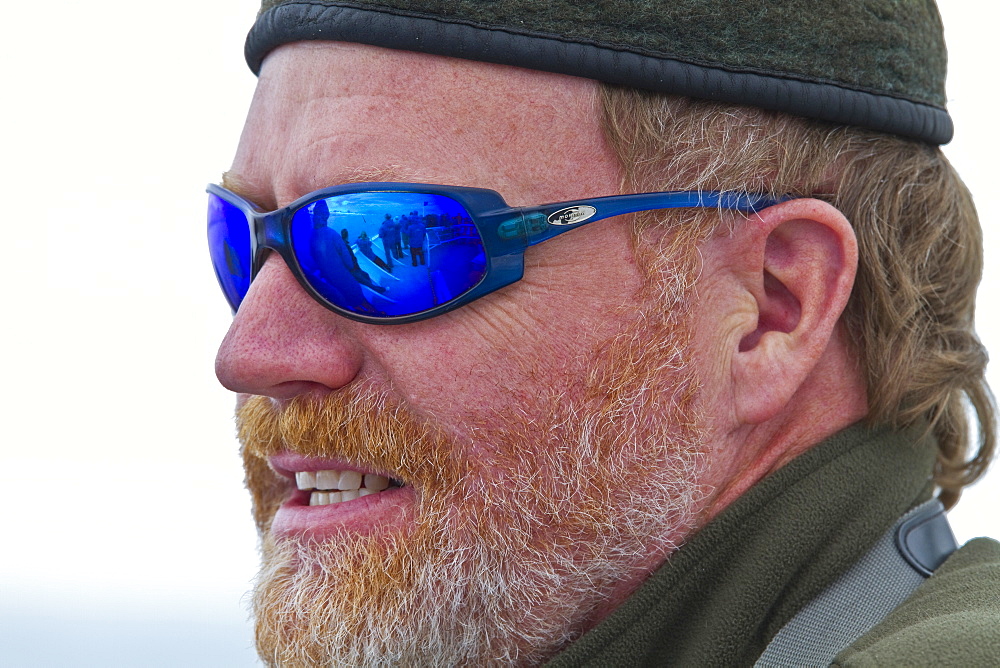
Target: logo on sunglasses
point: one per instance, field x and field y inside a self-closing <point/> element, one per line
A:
<point x="571" y="215"/>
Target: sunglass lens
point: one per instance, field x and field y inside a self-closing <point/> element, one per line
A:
<point x="229" y="245"/>
<point x="388" y="254"/>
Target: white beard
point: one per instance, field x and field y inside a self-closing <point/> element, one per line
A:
<point x="508" y="560"/>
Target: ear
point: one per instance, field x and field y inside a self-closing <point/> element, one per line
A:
<point x="797" y="266"/>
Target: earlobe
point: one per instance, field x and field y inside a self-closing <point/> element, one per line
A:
<point x="801" y="260"/>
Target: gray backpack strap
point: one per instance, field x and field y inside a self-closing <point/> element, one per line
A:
<point x="882" y="579"/>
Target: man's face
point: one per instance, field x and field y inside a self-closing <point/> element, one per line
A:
<point x="540" y="440"/>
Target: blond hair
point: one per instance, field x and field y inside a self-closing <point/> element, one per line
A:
<point x="910" y="317"/>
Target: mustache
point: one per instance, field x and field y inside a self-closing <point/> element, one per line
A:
<point x="356" y="424"/>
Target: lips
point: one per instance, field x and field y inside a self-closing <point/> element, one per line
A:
<point x="334" y="496"/>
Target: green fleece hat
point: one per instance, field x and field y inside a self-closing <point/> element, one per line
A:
<point x="879" y="64"/>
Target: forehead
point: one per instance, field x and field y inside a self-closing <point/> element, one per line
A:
<point x="326" y="113"/>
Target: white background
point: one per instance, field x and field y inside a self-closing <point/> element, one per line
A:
<point x="126" y="537"/>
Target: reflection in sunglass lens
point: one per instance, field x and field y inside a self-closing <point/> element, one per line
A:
<point x="229" y="245"/>
<point x="388" y="254"/>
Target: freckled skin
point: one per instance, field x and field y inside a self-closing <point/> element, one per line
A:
<point x="328" y="113"/>
<point x="318" y="121"/>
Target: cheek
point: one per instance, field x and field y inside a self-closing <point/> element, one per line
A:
<point x="493" y="363"/>
<point x="519" y="350"/>
<point x="476" y="371"/>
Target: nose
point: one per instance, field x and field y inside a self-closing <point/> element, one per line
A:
<point x="282" y="343"/>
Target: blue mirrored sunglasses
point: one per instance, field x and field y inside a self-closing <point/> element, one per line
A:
<point x="401" y="252"/>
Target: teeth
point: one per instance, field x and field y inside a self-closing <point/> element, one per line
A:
<point x="376" y="483"/>
<point x="327" y="479"/>
<point x="332" y="486"/>
<point x="305" y="479"/>
<point x="350" y="480"/>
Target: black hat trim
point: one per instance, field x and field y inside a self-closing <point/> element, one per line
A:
<point x="817" y="99"/>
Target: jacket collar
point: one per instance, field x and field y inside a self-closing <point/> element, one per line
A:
<point x="722" y="596"/>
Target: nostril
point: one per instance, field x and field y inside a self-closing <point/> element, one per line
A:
<point x="282" y="344"/>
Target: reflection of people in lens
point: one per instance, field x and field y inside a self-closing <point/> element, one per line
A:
<point x="417" y="233"/>
<point x="389" y="233"/>
<point x="360" y="274"/>
<point x="365" y="246"/>
<point x="331" y="270"/>
<point x="347" y="244"/>
<point x="397" y="245"/>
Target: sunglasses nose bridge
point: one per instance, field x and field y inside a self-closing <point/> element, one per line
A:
<point x="270" y="233"/>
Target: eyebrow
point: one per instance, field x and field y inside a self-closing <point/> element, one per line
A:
<point x="232" y="182"/>
<point x="389" y="173"/>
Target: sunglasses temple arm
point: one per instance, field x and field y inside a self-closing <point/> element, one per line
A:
<point x="541" y="223"/>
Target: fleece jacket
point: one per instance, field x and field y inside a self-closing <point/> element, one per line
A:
<point x="722" y="597"/>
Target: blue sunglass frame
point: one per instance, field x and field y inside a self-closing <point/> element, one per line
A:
<point x="506" y="231"/>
